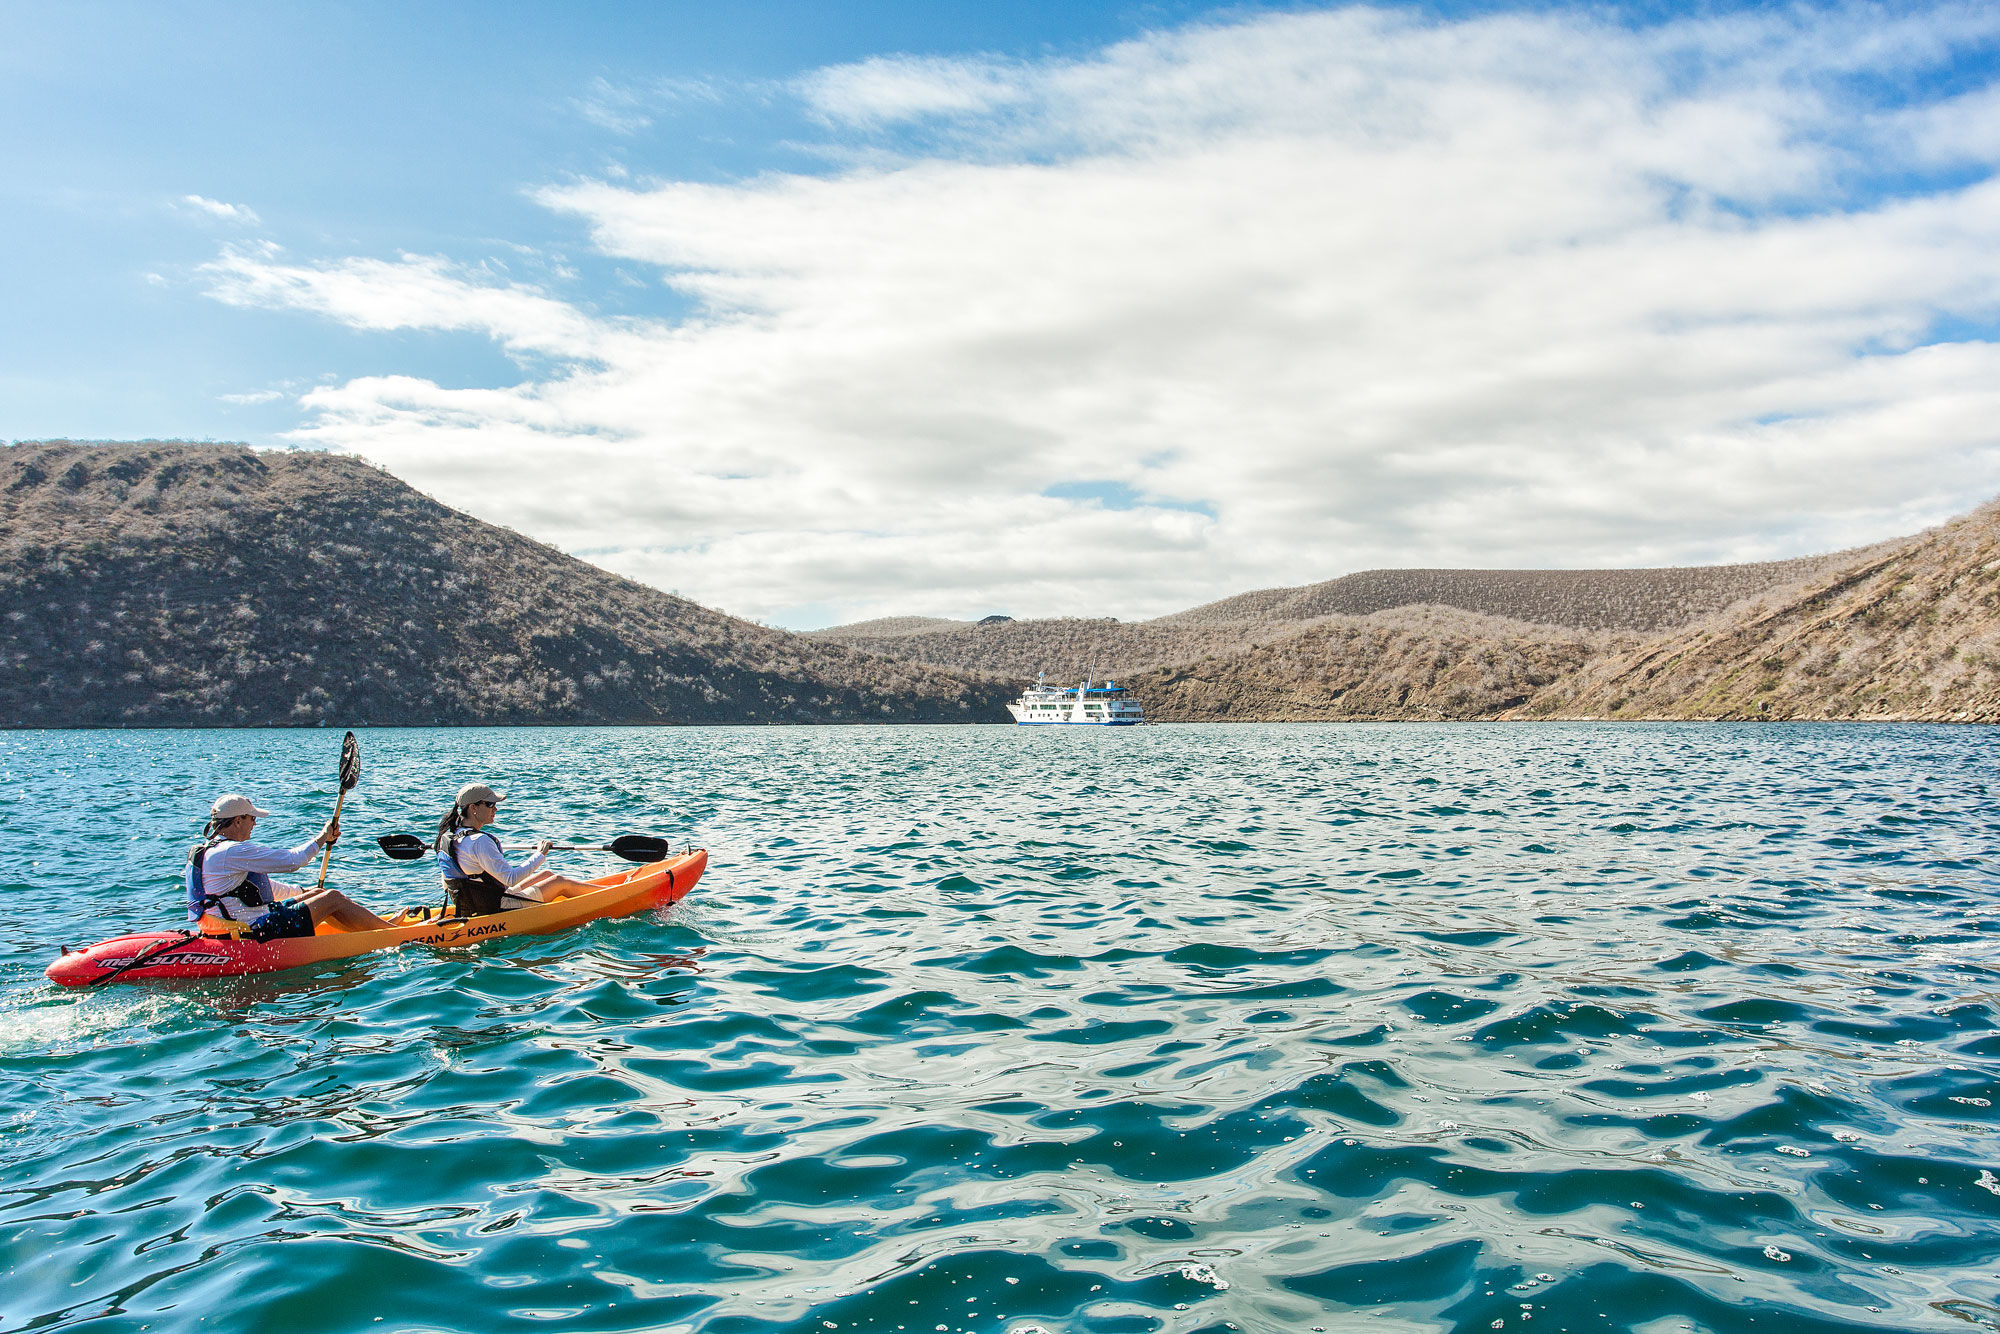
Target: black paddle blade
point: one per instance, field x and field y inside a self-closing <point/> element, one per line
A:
<point x="640" y="848"/>
<point x="403" y="847"/>
<point x="350" y="762"/>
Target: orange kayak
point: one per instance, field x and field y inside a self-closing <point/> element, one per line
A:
<point x="157" y="955"/>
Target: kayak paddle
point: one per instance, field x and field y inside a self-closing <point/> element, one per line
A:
<point x="632" y="847"/>
<point x="350" y="774"/>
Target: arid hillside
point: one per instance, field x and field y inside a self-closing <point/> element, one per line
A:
<point x="1908" y="630"/>
<point x="1413" y="663"/>
<point x="1066" y="648"/>
<point x="894" y="627"/>
<point x="1639" y="599"/>
<point x="1565" y="604"/>
<point x="166" y="584"/>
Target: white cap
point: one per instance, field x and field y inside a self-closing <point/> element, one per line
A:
<point x="232" y="804"/>
<point x="472" y="792"/>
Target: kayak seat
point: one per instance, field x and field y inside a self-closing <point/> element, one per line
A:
<point x="215" y="927"/>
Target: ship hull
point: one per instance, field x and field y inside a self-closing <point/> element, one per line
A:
<point x="1084" y="705"/>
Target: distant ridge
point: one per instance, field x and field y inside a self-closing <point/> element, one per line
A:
<point x="1065" y="648"/>
<point x="1407" y="664"/>
<point x="1636" y="599"/>
<point x="168" y="584"/>
<point x="1569" y="606"/>
<point x="1906" y="629"/>
<point x="892" y="627"/>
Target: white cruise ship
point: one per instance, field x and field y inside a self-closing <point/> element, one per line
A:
<point x="1087" y="705"/>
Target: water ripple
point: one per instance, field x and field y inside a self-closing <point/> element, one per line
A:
<point x="1204" y="1028"/>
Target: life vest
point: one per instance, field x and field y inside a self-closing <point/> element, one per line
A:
<point x="471" y="896"/>
<point x="254" y="892"/>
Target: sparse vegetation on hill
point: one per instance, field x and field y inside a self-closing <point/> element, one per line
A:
<point x="1642" y="599"/>
<point x="1411" y="663"/>
<point x="1065" y="648"/>
<point x="174" y="584"/>
<point x="1565" y="604"/>
<point x="1906" y="630"/>
<point x="891" y="627"/>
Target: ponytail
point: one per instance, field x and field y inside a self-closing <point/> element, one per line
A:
<point x="452" y="819"/>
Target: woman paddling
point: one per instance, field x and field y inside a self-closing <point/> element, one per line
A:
<point x="476" y="873"/>
<point x="229" y="877"/>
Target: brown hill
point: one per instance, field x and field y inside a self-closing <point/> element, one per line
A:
<point x="1412" y="663"/>
<point x="1563" y="602"/>
<point x="167" y="584"/>
<point x="1909" y="630"/>
<point x="895" y="627"/>
<point x="1066" y="648"/>
<point x="1638" y="599"/>
<point x="1903" y="629"/>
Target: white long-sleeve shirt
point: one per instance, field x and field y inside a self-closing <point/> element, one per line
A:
<point x="481" y="852"/>
<point x="227" y="865"/>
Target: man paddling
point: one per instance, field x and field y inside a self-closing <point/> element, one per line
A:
<point x="230" y="877"/>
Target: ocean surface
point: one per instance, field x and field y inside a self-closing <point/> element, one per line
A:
<point x="1182" y="1028"/>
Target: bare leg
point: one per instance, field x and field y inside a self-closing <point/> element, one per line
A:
<point x="549" y="886"/>
<point x="330" y="905"/>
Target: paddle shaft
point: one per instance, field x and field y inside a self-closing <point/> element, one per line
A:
<point x="350" y="774"/>
<point x="632" y="847"/>
<point x="327" y="856"/>
<point x="662" y="848"/>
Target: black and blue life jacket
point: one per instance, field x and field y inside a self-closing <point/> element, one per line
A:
<point x="254" y="892"/>
<point x="471" y="896"/>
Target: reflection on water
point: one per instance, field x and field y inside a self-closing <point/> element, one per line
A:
<point x="1562" y="1027"/>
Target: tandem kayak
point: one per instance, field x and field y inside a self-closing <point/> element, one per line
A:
<point x="180" y="954"/>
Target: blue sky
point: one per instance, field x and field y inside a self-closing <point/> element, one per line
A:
<point x="814" y="311"/>
<point x="371" y="129"/>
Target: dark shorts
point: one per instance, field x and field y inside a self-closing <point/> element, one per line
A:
<point x="284" y="921"/>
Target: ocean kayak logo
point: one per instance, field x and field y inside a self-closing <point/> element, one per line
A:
<point x="464" y="933"/>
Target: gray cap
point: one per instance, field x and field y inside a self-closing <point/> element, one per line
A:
<point x="232" y="804"/>
<point x="472" y="792"/>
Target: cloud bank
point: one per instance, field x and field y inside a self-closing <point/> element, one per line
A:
<point x="1245" y="304"/>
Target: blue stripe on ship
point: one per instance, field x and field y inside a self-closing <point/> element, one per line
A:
<point x="1064" y="722"/>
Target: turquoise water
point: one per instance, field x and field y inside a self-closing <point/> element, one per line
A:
<point x="1188" y="1028"/>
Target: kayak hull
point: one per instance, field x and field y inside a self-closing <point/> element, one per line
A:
<point x="180" y="955"/>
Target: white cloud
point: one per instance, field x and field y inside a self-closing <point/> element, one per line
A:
<point x="415" y="292"/>
<point x="215" y="208"/>
<point x="1373" y="290"/>
<point x="897" y="88"/>
<point x="1963" y="130"/>
<point x="627" y="109"/>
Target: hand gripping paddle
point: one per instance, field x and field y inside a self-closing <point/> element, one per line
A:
<point x="350" y="774"/>
<point x="632" y="847"/>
